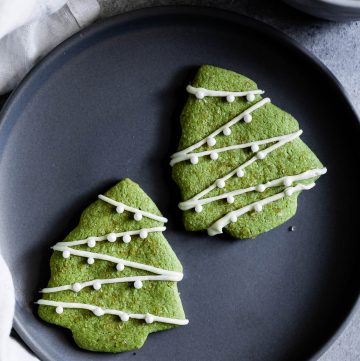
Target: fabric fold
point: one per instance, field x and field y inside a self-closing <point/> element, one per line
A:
<point x="22" y="48"/>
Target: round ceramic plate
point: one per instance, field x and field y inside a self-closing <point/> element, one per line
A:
<point x="105" y="105"/>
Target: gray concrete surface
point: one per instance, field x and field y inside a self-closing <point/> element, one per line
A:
<point x="337" y="45"/>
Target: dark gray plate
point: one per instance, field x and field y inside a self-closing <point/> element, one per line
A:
<point x="104" y="106"/>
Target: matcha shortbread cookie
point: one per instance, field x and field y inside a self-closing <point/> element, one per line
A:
<point x="241" y="164"/>
<point x="114" y="277"/>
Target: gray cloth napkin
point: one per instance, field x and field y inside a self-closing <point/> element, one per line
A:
<point x="30" y="29"/>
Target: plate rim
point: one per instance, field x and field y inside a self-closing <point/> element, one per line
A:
<point x="171" y="10"/>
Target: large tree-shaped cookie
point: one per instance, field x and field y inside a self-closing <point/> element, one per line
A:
<point x="113" y="278"/>
<point x="241" y="163"/>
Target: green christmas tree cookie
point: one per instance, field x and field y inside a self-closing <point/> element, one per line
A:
<point x="241" y="164"/>
<point x="114" y="277"/>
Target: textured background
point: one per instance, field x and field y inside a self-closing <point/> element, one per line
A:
<point x="337" y="45"/>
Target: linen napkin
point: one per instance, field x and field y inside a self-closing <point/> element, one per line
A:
<point x="29" y="29"/>
<point x="10" y="350"/>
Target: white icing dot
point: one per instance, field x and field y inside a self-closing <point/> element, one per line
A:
<point x="247" y="118"/>
<point x="138" y="284"/>
<point x="260" y="155"/>
<point x="124" y="317"/>
<point x="66" y="254"/>
<point x="149" y="318"/>
<point x="138" y="216"/>
<point x="289" y="192"/>
<point x="230" y="199"/>
<point x="111" y="237"/>
<point x="198" y="208"/>
<point x="287" y="182"/>
<point x="233" y="218"/>
<point x="200" y="95"/>
<point x="211" y="141"/>
<point x="227" y="131"/>
<point x="250" y="97"/>
<point x="258" y="207"/>
<point x="240" y="173"/>
<point x="59" y="310"/>
<point x="230" y="98"/>
<point x="90" y="260"/>
<point x="126" y="238"/>
<point x="98" y="312"/>
<point x="220" y="183"/>
<point x="120" y="267"/>
<point x="97" y="285"/>
<point x="214" y="155"/>
<point x="194" y="159"/>
<point x="76" y="287"/>
<point x="143" y="234"/>
<point x="260" y="188"/>
<point x="91" y="242"/>
<point x="120" y="208"/>
<point x="255" y="148"/>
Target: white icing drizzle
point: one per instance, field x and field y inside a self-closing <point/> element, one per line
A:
<point x="112" y="237"/>
<point x="76" y="287"/>
<point x="160" y="274"/>
<point x="220" y="183"/>
<point x="138" y="214"/>
<point x="246" y="115"/>
<point x="116" y="260"/>
<point x="286" y="181"/>
<point x="198" y="201"/>
<point x="100" y="311"/>
<point x="230" y="96"/>
<point x="218" y="226"/>
<point x="254" y="145"/>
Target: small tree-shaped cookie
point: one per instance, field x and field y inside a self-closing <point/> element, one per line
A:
<point x="114" y="277"/>
<point x="241" y="164"/>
